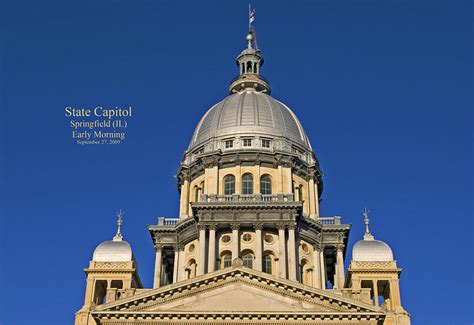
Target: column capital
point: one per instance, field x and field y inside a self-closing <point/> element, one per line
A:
<point x="202" y="226"/>
<point x="340" y="247"/>
<point x="291" y="226"/>
<point x="212" y="226"/>
<point x="340" y="238"/>
<point x="235" y="226"/>
<point x="281" y="226"/>
<point x="258" y="226"/>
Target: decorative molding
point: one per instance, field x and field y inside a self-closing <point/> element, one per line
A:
<point x="258" y="225"/>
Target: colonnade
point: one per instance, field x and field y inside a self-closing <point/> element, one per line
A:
<point x="287" y="258"/>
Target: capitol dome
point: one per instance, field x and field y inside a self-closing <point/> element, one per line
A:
<point x="249" y="120"/>
<point x="250" y="112"/>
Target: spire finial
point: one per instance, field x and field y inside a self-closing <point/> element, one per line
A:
<point x="249" y="40"/>
<point x="118" y="236"/>
<point x="367" y="235"/>
<point x="251" y="17"/>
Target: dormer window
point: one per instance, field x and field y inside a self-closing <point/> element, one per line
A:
<point x="266" y="143"/>
<point x="228" y="144"/>
<point x="247" y="142"/>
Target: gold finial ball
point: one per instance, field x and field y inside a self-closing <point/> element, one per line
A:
<point x="249" y="37"/>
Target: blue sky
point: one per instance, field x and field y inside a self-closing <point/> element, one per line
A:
<point x="383" y="89"/>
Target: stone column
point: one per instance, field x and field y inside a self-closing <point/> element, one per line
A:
<point x="340" y="266"/>
<point x="258" y="242"/>
<point x="292" y="263"/>
<point x="287" y="181"/>
<point x="280" y="179"/>
<point x="235" y="241"/>
<point x="316" y="267"/>
<point x="395" y="294"/>
<point x="184" y="199"/>
<point x="316" y="200"/>
<point x="212" y="249"/>
<point x="181" y="264"/>
<point x="312" y="198"/>
<point x="323" y="269"/>
<point x="376" y="293"/>
<point x="282" y="250"/>
<point x="238" y="179"/>
<point x="202" y="250"/>
<point x="175" y="265"/>
<point x="157" y="277"/>
<point x="256" y="180"/>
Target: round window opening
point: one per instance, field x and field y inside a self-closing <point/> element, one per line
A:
<point x="247" y="237"/>
<point x="191" y="248"/>
<point x="225" y="239"/>
<point x="305" y="248"/>
<point x="269" y="239"/>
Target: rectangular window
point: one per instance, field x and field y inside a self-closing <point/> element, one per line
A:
<point x="265" y="143"/>
<point x="228" y="144"/>
<point x="247" y="142"/>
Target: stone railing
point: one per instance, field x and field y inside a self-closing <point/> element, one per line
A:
<point x="246" y="198"/>
<point x="167" y="221"/>
<point x="330" y="220"/>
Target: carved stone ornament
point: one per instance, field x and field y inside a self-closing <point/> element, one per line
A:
<point x="258" y="226"/>
<point x="237" y="262"/>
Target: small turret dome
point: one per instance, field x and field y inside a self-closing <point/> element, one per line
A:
<point x="369" y="249"/>
<point x="113" y="251"/>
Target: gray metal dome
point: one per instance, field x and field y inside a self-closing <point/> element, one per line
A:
<point x="113" y="251"/>
<point x="250" y="113"/>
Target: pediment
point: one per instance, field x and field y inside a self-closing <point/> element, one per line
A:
<point x="238" y="296"/>
<point x="237" y="291"/>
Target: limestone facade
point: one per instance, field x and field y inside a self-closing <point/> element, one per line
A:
<point x="249" y="245"/>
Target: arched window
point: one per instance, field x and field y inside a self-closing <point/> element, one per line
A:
<point x="196" y="194"/>
<point x="249" y="67"/>
<point x="247" y="184"/>
<point x="191" y="269"/>
<point x="229" y="185"/>
<point x="265" y="184"/>
<point x="247" y="258"/>
<point x="201" y="188"/>
<point x="226" y="260"/>
<point x="267" y="264"/>
<point x="305" y="272"/>
<point x="300" y="193"/>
